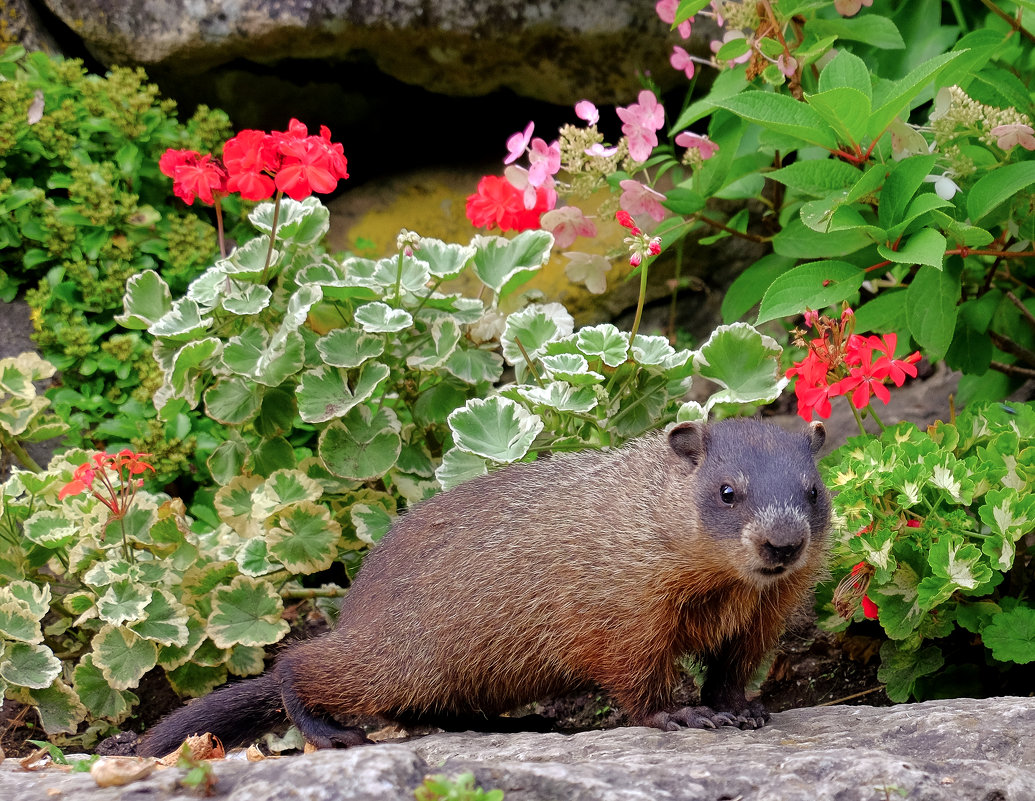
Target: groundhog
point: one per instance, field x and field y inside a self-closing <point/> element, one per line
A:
<point x="541" y="578"/>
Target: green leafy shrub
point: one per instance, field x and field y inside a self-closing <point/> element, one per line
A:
<point x="24" y="416"/>
<point x="345" y="388"/>
<point x="884" y="154"/>
<point x="83" y="207"/>
<point x="936" y="536"/>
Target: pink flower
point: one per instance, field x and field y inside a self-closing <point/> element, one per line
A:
<point x="706" y="146"/>
<point x="544" y="195"/>
<point x="787" y="65"/>
<point x="544" y="161"/>
<point x="640" y="121"/>
<point x="681" y="60"/>
<point x="517" y="143"/>
<point x="566" y="224"/>
<point x="597" y="149"/>
<point x="1008" y="136"/>
<point x="585" y="110"/>
<point x="849" y="8"/>
<point x="639" y="199"/>
<point x="667" y="11"/>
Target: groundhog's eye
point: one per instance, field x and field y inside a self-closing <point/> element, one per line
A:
<point x="813" y="494"/>
<point x="727" y="495"/>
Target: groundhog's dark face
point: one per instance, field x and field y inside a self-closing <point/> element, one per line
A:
<point x="757" y="493"/>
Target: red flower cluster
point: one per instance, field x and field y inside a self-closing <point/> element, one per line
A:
<point x="125" y="464"/>
<point x="498" y="203"/>
<point x="842" y="363"/>
<point x="256" y="164"/>
<point x="641" y="245"/>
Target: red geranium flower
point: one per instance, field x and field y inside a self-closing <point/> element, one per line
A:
<point x="498" y="203"/>
<point x="193" y="175"/>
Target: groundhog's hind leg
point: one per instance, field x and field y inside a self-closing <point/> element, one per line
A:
<point x="320" y="730"/>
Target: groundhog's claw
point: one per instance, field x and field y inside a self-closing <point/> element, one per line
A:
<point x="754" y="716"/>
<point x="690" y="717"/>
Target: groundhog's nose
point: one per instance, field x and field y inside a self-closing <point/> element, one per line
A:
<point x="783" y="553"/>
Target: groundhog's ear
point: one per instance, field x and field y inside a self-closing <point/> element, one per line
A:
<point x="816" y="435"/>
<point x="687" y="439"/>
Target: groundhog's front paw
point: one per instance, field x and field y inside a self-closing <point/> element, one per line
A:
<point x="346" y="737"/>
<point x="753" y="716"/>
<point x="690" y="717"/>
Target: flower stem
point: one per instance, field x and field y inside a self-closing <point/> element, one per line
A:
<point x="219" y="227"/>
<point x="11" y="444"/>
<point x="273" y="236"/>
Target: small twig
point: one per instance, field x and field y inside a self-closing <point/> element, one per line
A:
<point x="852" y="696"/>
<point x="1009" y="346"/>
<point x="1012" y="369"/>
<point x="1016" y="301"/>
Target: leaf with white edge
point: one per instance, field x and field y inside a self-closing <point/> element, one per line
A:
<point x="305" y="539"/>
<point x="362" y="446"/>
<point x="572" y="368"/>
<point x="301" y="222"/>
<point x="244" y="298"/>
<point x="165" y="620"/>
<point x="445" y="260"/>
<point x="349" y="347"/>
<point x="409" y="273"/>
<point x="298" y="306"/>
<point x="146" y="301"/>
<point x="18" y="372"/>
<point x="252" y="354"/>
<point x="380" y="318"/>
<point x="458" y="467"/>
<point x="815" y="285"/>
<point x="122" y="656"/>
<point x="253" y="558"/>
<point x="207" y="289"/>
<point x="323" y="393"/>
<point x="249" y="260"/>
<point x="433" y="353"/>
<point x="246" y="660"/>
<point x="604" y="342"/>
<point x="495" y="428"/>
<point x="475" y="365"/>
<point x="743" y="361"/>
<point x="233" y="400"/>
<point x="50" y="528"/>
<point x="560" y="396"/>
<point x="190" y="364"/>
<point x="248" y="612"/>
<point x="234" y="504"/>
<point x="651" y="350"/>
<point x="194" y="681"/>
<point x="283" y="488"/>
<point x="1011" y="635"/>
<point x="534" y="326"/>
<point x="504" y="264"/>
<point x="691" y="412"/>
<point x="171" y="657"/>
<point x="35" y="597"/>
<point x="466" y="311"/>
<point x="124" y="601"/>
<point x="58" y="706"/>
<point x="103" y="700"/>
<point x="26" y="665"/>
<point x="181" y="323"/>
<point x="959" y="562"/>
<point x="372" y="522"/>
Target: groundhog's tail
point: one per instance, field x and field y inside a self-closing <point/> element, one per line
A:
<point x="237" y="715"/>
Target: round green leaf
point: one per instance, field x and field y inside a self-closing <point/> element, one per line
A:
<point x="1011" y="635"/>
<point x="496" y="428"/>
<point x="122" y="656"/>
<point x="380" y="318"/>
<point x="247" y="612"/>
<point x="28" y="665"/>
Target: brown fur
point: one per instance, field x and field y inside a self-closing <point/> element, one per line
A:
<point x="543" y="577"/>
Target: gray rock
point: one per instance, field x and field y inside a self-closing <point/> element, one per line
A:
<point x="558" y="50"/>
<point x="954" y="750"/>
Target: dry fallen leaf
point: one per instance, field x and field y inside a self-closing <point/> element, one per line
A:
<point x="253" y="754"/>
<point x="116" y="771"/>
<point x="200" y="746"/>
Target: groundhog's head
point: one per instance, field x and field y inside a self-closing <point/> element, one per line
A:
<point x="756" y="488"/>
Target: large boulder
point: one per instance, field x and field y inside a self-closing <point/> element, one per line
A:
<point x="957" y="750"/>
<point x="558" y="50"/>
